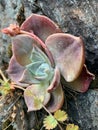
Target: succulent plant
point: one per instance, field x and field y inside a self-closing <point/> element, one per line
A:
<point x="42" y="54"/>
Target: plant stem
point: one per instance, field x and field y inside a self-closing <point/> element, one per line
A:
<point x="4" y="78"/>
<point x="13" y="103"/>
<point x="16" y="86"/>
<point x="60" y="126"/>
<point x="8" y="125"/>
<point x="47" y="110"/>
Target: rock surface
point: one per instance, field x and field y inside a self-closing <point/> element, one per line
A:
<point x="77" y="17"/>
<point x="84" y="110"/>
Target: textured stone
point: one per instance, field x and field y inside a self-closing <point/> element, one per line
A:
<point x="83" y="110"/>
<point x="9" y="13"/>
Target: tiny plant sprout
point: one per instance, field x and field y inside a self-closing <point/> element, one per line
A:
<point x="41" y="56"/>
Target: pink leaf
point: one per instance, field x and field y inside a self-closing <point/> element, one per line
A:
<point x="15" y="71"/>
<point x="40" y="25"/>
<point x="36" y="91"/>
<point x="81" y="84"/>
<point x="68" y="54"/>
<point x="22" y="47"/>
<point x="57" y="99"/>
<point x="56" y="80"/>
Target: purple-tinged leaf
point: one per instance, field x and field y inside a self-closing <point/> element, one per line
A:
<point x="22" y="47"/>
<point x="56" y="80"/>
<point x="28" y="77"/>
<point x="68" y="54"/>
<point x="56" y="100"/>
<point x="36" y="91"/>
<point x="40" y="25"/>
<point x="81" y="84"/>
<point x="15" y="71"/>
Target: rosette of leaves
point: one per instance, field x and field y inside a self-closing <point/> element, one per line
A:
<point x="42" y="54"/>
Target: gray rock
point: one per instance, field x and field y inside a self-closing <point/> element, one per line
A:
<point x="83" y="110"/>
<point x="9" y="13"/>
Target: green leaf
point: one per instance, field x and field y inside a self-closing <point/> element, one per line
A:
<point x="60" y="115"/>
<point x="40" y="67"/>
<point x="5" y="87"/>
<point x="50" y="122"/>
<point x="38" y="70"/>
<point x="4" y="90"/>
<point x="72" y="127"/>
